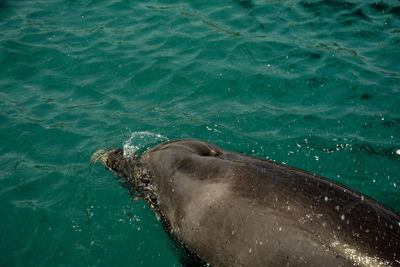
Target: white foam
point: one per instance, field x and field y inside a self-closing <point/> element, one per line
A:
<point x="139" y="140"/>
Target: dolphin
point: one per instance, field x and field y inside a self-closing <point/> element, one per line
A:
<point x="235" y="210"/>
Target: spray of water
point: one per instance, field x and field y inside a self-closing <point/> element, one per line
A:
<point x="139" y="140"/>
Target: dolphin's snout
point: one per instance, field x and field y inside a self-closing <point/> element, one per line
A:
<point x="100" y="155"/>
<point x="114" y="160"/>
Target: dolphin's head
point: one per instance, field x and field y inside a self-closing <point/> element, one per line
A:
<point x="115" y="161"/>
<point x="186" y="156"/>
<point x="189" y="159"/>
<point x="136" y="174"/>
<point x="171" y="165"/>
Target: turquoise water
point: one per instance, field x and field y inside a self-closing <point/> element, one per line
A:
<point x="313" y="84"/>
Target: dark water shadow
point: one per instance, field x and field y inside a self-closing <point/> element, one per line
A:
<point x="3" y="7"/>
<point x="248" y="4"/>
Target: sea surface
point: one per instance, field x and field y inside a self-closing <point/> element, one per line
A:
<point x="313" y="84"/>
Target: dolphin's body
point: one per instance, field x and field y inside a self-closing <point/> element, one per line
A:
<point x="235" y="210"/>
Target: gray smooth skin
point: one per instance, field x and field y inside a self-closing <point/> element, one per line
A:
<point x="236" y="210"/>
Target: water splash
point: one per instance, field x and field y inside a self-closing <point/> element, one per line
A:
<point x="140" y="140"/>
